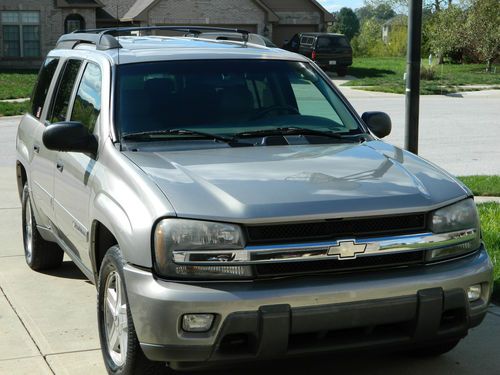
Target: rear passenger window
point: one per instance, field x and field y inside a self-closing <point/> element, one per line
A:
<point x="87" y="104"/>
<point x="42" y="86"/>
<point x="63" y="97"/>
<point x="307" y="41"/>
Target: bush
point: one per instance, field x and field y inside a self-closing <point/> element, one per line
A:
<point x="428" y="73"/>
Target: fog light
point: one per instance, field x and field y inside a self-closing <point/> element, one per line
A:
<point x="197" y="322"/>
<point x="474" y="292"/>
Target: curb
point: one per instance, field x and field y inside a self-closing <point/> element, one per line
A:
<point x="487" y="199"/>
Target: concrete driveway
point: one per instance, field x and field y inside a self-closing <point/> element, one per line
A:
<point x="48" y="320"/>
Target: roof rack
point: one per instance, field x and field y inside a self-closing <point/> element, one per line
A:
<point x="103" y="39"/>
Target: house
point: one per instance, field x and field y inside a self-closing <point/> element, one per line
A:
<point x="30" y="28"/>
<point x="397" y="22"/>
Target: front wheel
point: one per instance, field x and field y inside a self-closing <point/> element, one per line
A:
<point x="39" y="254"/>
<point x="119" y="344"/>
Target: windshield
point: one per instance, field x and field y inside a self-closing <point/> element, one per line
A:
<point x="226" y="97"/>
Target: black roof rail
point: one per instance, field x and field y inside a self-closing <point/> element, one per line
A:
<point x="103" y="39"/>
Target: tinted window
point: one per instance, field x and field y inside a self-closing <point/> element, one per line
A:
<point x="65" y="88"/>
<point x="42" y="87"/>
<point x="225" y="96"/>
<point x="87" y="104"/>
<point x="327" y="42"/>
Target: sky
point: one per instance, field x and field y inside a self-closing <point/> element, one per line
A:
<point x="335" y="5"/>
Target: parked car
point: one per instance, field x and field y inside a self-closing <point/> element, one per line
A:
<point x="329" y="51"/>
<point x="230" y="204"/>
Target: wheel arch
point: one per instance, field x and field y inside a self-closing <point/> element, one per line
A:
<point x="21" y="177"/>
<point x="102" y="239"/>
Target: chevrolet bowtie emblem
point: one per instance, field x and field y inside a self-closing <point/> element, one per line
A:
<point x="347" y="250"/>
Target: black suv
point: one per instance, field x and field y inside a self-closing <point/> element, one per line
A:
<point x="329" y="51"/>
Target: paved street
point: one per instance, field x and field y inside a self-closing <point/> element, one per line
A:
<point x="48" y="321"/>
<point x="459" y="133"/>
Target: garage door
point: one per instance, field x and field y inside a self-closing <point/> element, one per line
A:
<point x="250" y="28"/>
<point x="282" y="33"/>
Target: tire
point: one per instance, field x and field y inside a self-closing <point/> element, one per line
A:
<point x="342" y="71"/>
<point x="435" y="350"/>
<point x="112" y="291"/>
<point x="39" y="254"/>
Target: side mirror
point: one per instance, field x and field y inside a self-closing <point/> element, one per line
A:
<point x="378" y="122"/>
<point x="70" y="136"/>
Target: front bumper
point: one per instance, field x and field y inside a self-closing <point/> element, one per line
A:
<point x="308" y="314"/>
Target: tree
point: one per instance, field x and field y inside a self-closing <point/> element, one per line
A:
<point x="483" y="29"/>
<point x="381" y="12"/>
<point x="346" y="22"/>
<point x="402" y="5"/>
<point x="446" y="32"/>
<point x="369" y="41"/>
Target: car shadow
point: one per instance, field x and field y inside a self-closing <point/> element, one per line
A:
<point x="363" y="362"/>
<point x="67" y="270"/>
<point x="370" y="72"/>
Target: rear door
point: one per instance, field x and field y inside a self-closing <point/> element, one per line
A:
<point x="306" y="45"/>
<point x="41" y="173"/>
<point x="333" y="50"/>
<point x="75" y="170"/>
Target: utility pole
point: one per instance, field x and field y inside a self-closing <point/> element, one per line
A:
<point x="413" y="75"/>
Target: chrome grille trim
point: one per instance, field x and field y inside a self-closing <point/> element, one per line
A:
<point x="304" y="252"/>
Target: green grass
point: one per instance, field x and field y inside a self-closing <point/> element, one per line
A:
<point x="483" y="185"/>
<point x="12" y="109"/>
<point x="490" y="228"/>
<point x="16" y="85"/>
<point x="386" y="74"/>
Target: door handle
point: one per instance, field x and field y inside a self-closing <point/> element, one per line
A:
<point x="36" y="148"/>
<point x="60" y="166"/>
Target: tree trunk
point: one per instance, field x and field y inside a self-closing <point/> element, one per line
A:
<point x="488" y="65"/>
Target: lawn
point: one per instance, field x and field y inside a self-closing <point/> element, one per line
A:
<point x="12" y="109"/>
<point x="483" y="185"/>
<point x="386" y="74"/>
<point x="16" y="85"/>
<point x="490" y="228"/>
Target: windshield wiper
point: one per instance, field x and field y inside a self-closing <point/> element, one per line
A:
<point x="290" y="130"/>
<point x="182" y="132"/>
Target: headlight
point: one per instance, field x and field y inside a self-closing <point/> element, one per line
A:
<point x="460" y="217"/>
<point x="174" y="238"/>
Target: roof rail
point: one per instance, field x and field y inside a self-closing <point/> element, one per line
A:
<point x="103" y="39"/>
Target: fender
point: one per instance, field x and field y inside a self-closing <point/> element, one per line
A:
<point x="111" y="214"/>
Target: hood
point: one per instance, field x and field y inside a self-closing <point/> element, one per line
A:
<point x="306" y="182"/>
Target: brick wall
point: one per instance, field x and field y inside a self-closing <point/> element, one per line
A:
<point x="215" y="12"/>
<point x="51" y="28"/>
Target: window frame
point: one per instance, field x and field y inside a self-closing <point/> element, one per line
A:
<point x="56" y="88"/>
<point x="50" y="88"/>
<point x="19" y="23"/>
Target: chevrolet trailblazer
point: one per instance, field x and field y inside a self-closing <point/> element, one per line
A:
<point x="230" y="204"/>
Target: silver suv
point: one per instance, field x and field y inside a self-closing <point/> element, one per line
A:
<point x="230" y="205"/>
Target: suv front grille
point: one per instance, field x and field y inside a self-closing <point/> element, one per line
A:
<point x="333" y="229"/>
<point x="336" y="265"/>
